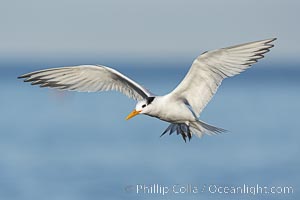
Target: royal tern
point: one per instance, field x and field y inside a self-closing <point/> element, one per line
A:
<point x="181" y="107"/>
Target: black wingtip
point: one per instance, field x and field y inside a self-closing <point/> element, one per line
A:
<point x="22" y="76"/>
<point x="184" y="138"/>
<point x="162" y="134"/>
<point x="27" y="80"/>
<point x="271" y="40"/>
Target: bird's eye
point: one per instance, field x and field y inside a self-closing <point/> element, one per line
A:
<point x="143" y="106"/>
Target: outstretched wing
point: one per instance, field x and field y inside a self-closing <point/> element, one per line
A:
<point x="87" y="78"/>
<point x="210" y="68"/>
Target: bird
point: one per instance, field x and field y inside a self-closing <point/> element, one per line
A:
<point x="182" y="107"/>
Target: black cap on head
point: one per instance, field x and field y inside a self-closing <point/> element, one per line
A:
<point x="149" y="100"/>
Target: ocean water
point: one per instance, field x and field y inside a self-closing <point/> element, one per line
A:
<point x="78" y="146"/>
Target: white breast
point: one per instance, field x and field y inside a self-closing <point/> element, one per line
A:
<point x="171" y="111"/>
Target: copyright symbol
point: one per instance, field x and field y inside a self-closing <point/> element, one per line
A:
<point x="129" y="188"/>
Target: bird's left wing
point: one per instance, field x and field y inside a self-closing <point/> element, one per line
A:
<point x="210" y="68"/>
<point x="87" y="78"/>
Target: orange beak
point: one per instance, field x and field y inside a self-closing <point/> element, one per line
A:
<point x="132" y="114"/>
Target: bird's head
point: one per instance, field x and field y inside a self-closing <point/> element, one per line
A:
<point x="142" y="107"/>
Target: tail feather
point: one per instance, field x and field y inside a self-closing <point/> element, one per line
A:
<point x="197" y="128"/>
<point x="182" y="129"/>
<point x="200" y="128"/>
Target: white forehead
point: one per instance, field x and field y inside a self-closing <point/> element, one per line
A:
<point x="140" y="103"/>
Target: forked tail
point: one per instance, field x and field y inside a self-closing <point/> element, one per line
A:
<point x="197" y="128"/>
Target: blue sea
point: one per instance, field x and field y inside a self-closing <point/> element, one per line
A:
<point x="78" y="146"/>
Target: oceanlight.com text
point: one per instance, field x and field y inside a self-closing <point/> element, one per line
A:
<point x="252" y="190"/>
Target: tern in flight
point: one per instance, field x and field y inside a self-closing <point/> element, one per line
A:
<point x="181" y="107"/>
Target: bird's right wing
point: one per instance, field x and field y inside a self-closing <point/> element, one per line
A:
<point x="87" y="78"/>
<point x="210" y="68"/>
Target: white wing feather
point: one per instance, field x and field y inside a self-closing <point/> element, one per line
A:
<point x="210" y="68"/>
<point x="87" y="78"/>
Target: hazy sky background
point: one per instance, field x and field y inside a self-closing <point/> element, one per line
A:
<point x="135" y="29"/>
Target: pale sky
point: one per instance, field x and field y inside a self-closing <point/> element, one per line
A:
<point x="136" y="28"/>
